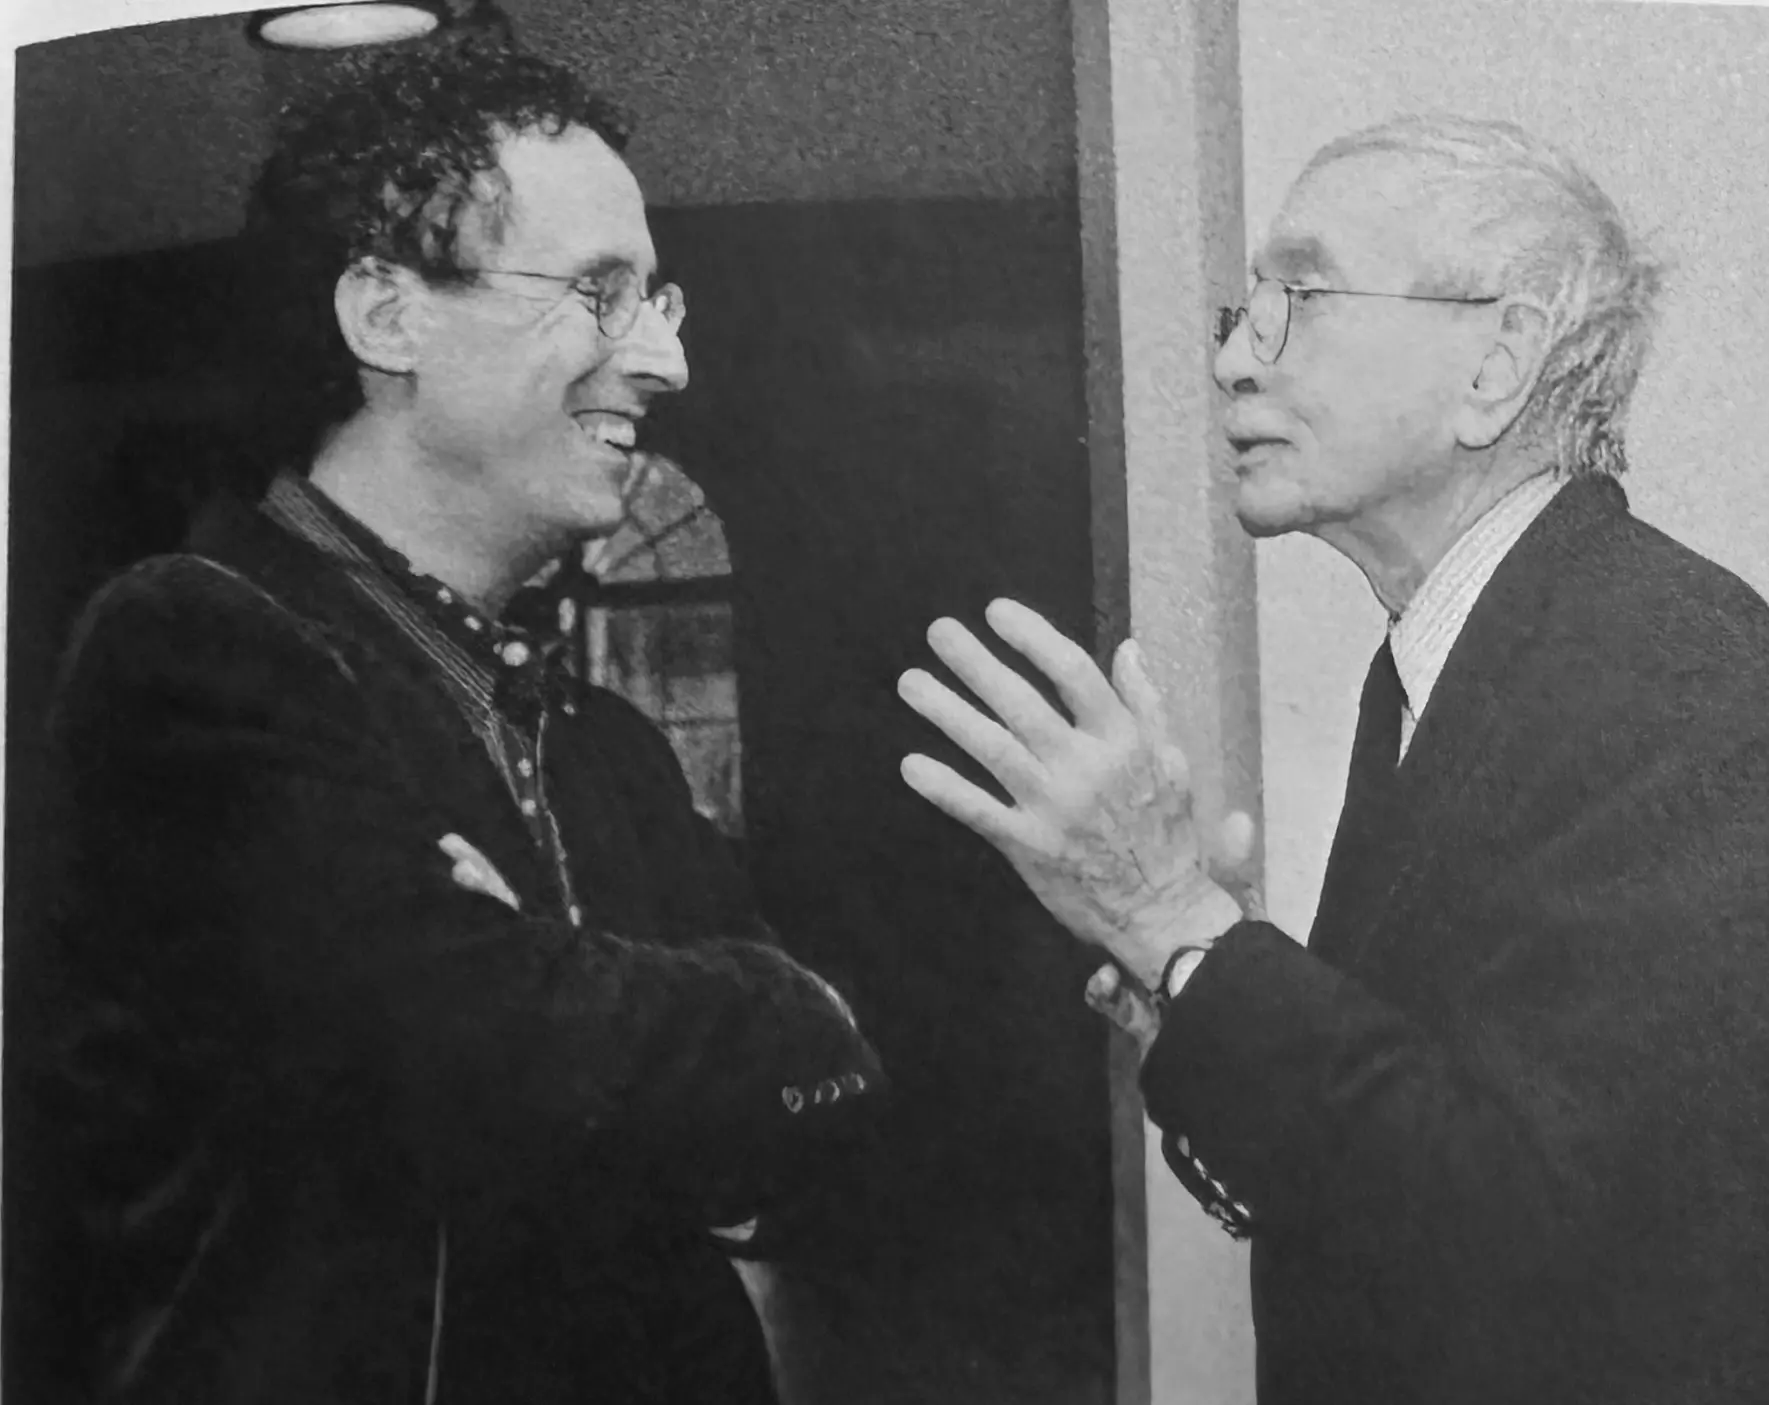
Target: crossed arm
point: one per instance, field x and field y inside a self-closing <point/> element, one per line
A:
<point x="249" y="831"/>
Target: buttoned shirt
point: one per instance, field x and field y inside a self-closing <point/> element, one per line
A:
<point x="1421" y="640"/>
<point x="499" y="677"/>
<point x="1427" y="630"/>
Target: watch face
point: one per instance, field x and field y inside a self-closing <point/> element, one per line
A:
<point x="1180" y="971"/>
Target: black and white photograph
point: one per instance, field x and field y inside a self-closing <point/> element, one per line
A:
<point x="929" y="702"/>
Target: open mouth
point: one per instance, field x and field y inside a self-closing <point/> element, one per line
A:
<point x="609" y="428"/>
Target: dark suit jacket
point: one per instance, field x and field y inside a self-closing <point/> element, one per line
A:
<point x="294" y="1049"/>
<point x="1501" y="1131"/>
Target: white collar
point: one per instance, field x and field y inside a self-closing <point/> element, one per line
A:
<point x="1427" y="630"/>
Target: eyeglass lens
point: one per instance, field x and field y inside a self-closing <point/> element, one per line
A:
<point x="620" y="298"/>
<point x="1267" y="315"/>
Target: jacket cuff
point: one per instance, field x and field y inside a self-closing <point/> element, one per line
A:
<point x="1234" y="1079"/>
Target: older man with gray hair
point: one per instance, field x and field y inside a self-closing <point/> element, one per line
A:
<point x="1500" y="1132"/>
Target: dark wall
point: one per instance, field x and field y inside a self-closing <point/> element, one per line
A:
<point x="890" y="420"/>
<point x="887" y="413"/>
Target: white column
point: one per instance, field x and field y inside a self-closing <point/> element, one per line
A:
<point x="1158" y="102"/>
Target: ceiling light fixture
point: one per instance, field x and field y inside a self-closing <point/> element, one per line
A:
<point x="366" y="22"/>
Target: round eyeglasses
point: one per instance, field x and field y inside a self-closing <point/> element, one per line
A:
<point x="1270" y="305"/>
<point x="614" y="295"/>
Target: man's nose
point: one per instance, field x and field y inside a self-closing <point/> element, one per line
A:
<point x="652" y="353"/>
<point x="1236" y="368"/>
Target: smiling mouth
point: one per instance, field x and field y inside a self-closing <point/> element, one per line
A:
<point x="609" y="428"/>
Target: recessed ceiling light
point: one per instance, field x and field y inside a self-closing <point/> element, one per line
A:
<point x="346" y="26"/>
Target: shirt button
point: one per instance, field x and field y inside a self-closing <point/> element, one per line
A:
<point x="446" y="596"/>
<point x="571" y="709"/>
<point x="516" y="653"/>
<point x="529" y="807"/>
<point x="525" y="767"/>
<point x="576" y="914"/>
<point x="474" y="624"/>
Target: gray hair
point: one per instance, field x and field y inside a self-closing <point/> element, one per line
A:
<point x="1527" y="220"/>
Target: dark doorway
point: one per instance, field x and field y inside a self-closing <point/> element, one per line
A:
<point x="888" y="417"/>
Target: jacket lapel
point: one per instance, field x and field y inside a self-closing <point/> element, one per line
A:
<point x="1453" y="770"/>
<point x="434" y="750"/>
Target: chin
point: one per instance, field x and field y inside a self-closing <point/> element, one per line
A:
<point x="1268" y="510"/>
<point x="588" y="505"/>
<point x="597" y="519"/>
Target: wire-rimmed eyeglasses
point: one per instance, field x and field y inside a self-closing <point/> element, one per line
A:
<point x="1269" y="306"/>
<point x="613" y="295"/>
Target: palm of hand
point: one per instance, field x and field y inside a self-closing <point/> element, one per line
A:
<point x="1118" y="844"/>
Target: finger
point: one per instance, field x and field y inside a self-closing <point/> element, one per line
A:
<point x="1115" y="1007"/>
<point x="987" y="742"/>
<point x="1015" y="701"/>
<point x="467" y="875"/>
<point x="941" y="786"/>
<point x="478" y="877"/>
<point x="1083" y="688"/>
<point x="1236" y="839"/>
<point x="1107" y="993"/>
<point x="1130" y="676"/>
<point x="1102" y="987"/>
<point x="1126" y="1008"/>
<point x="457" y="848"/>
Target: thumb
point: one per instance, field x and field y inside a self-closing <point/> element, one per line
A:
<point x="1236" y="838"/>
<point x="1130" y="677"/>
<point x="1230" y="861"/>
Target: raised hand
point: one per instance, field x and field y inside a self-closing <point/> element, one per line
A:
<point x="1101" y="826"/>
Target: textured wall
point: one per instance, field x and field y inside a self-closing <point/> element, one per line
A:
<point x="134" y="139"/>
<point x="140" y="138"/>
<point x="1668" y="107"/>
<point x="1162" y="244"/>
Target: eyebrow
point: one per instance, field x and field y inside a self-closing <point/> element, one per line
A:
<point x="603" y="265"/>
<point x="1296" y="257"/>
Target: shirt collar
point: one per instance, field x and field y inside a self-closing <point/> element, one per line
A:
<point x="1427" y="630"/>
<point x="492" y="665"/>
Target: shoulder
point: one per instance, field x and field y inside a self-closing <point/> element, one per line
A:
<point x="1656" y="608"/>
<point x="184" y="623"/>
<point x="1640" y="655"/>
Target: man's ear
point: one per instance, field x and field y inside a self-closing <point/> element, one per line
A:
<point x="1507" y="376"/>
<point x="382" y="313"/>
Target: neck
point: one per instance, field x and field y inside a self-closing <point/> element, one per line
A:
<point x="437" y="518"/>
<point x="1398" y="545"/>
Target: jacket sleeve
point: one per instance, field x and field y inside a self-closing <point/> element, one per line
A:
<point x="1586" y="1086"/>
<point x="248" y="823"/>
<point x="795" y="1190"/>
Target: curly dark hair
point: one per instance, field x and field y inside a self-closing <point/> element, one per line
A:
<point x="385" y="162"/>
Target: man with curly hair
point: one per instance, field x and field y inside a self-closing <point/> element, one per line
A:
<point x="420" y="1041"/>
<point x="1500" y="1131"/>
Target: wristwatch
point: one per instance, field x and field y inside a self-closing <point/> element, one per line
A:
<point x="1176" y="973"/>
